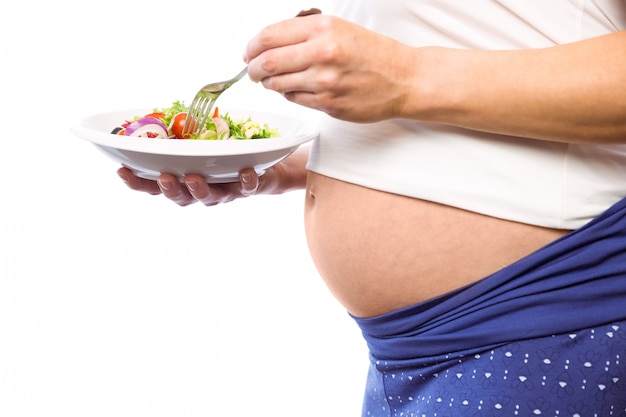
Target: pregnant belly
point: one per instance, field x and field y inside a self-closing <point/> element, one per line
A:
<point x="379" y="252"/>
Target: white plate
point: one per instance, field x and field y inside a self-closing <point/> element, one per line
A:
<point x="216" y="160"/>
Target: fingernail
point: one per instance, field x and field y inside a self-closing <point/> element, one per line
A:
<point x="165" y="184"/>
<point x="192" y="185"/>
<point x="246" y="177"/>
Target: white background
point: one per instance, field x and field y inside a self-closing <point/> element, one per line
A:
<point x="114" y="303"/>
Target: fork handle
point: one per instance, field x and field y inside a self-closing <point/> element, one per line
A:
<point x="309" y="12"/>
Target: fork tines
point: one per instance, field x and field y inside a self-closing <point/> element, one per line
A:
<point x="198" y="113"/>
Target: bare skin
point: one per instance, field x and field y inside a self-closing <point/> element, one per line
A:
<point x="377" y="251"/>
<point x="570" y="92"/>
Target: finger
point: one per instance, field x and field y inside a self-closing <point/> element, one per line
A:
<point x="310" y="100"/>
<point x="279" y="35"/>
<point x="174" y="190"/>
<point x="291" y="58"/>
<point x="313" y="79"/>
<point x="200" y="190"/>
<point x="210" y="194"/>
<point x="213" y="194"/>
<point x="316" y="89"/>
<point x="138" y="184"/>
<point x="249" y="182"/>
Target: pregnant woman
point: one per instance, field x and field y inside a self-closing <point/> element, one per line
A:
<point x="465" y="199"/>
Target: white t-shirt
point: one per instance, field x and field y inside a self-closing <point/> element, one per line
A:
<point x="543" y="183"/>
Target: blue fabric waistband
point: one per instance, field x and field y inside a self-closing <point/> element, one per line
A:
<point x="576" y="282"/>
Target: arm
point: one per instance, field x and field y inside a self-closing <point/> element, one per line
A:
<point x="573" y="92"/>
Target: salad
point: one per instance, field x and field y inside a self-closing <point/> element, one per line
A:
<point x="168" y="123"/>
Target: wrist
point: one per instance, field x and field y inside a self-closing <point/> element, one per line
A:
<point x="288" y="175"/>
<point x="435" y="88"/>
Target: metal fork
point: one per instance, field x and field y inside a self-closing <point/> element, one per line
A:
<point x="203" y="102"/>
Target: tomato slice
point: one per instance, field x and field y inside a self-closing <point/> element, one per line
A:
<point x="156" y="115"/>
<point x="178" y="123"/>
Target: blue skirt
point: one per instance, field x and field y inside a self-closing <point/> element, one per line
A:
<point x="545" y="336"/>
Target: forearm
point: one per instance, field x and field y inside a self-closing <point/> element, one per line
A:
<point x="570" y="93"/>
<point x="295" y="166"/>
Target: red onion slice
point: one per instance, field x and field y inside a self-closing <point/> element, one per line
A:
<point x="147" y="127"/>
